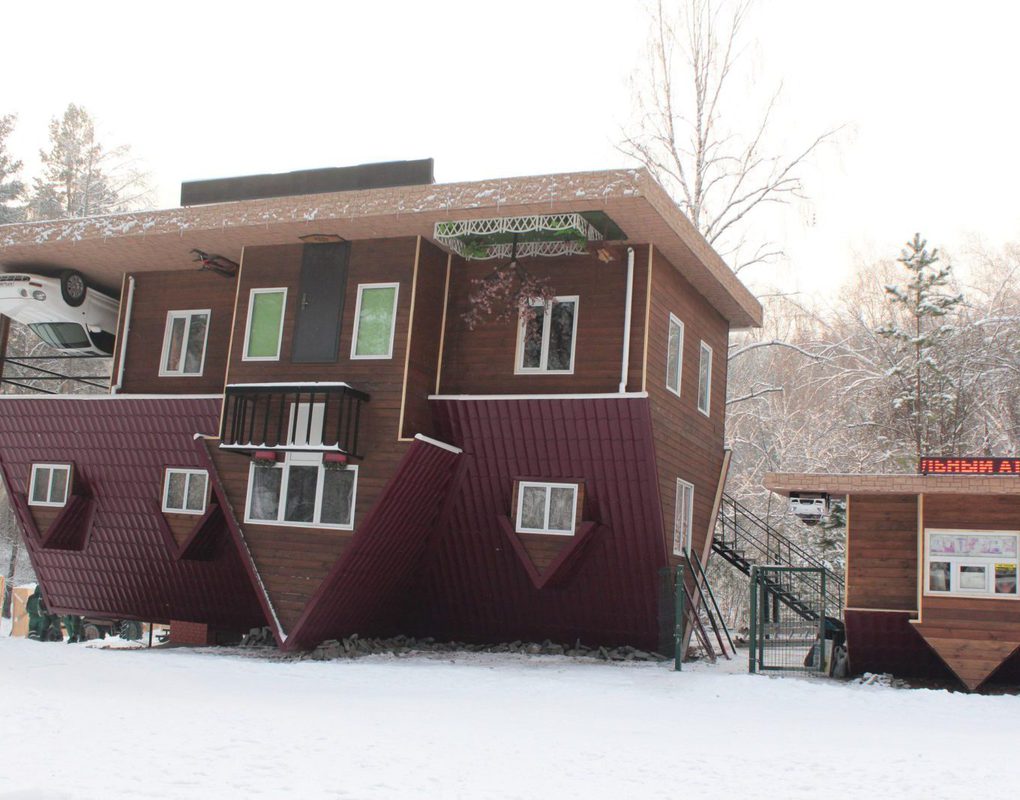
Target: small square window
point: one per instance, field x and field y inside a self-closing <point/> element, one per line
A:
<point x="264" y="330"/>
<point x="50" y="484"/>
<point x="546" y="341"/>
<point x="546" y="508"/>
<point x="375" y="320"/>
<point x="705" y="380"/>
<point x="185" y="491"/>
<point x="184" y="342"/>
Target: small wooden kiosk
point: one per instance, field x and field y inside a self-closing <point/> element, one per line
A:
<point x="931" y="567"/>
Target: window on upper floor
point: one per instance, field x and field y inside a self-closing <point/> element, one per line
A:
<point x="264" y="330"/>
<point x="545" y="342"/>
<point x="546" y="507"/>
<point x="674" y="354"/>
<point x="185" y="491"/>
<point x="184" y="342"/>
<point x="302" y="490"/>
<point x="50" y="484"/>
<point x="375" y="320"/>
<point x="683" y="517"/>
<point x="971" y="563"/>
<point x="705" y="379"/>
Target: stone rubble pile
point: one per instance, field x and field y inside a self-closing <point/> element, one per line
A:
<point x="355" y="646"/>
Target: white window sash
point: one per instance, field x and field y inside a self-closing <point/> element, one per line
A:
<point x="189" y="474"/>
<point x="357" y="320"/>
<point x="705" y="380"/>
<point x="683" y="517"/>
<point x="675" y="321"/>
<point x="522" y="330"/>
<point x="53" y="469"/>
<point x="187" y="316"/>
<point x="548" y="487"/>
<point x="247" y="326"/>
<point x="301" y="436"/>
<point x="301" y="459"/>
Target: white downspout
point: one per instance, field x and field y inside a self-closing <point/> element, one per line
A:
<point x="625" y="367"/>
<point x="124" y="335"/>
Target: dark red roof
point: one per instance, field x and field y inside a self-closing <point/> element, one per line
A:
<point x="366" y="589"/>
<point x="474" y="586"/>
<point x="126" y="566"/>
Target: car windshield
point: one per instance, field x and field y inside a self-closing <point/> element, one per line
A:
<point x="63" y="335"/>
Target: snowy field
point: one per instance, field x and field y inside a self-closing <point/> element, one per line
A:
<point x="83" y="722"/>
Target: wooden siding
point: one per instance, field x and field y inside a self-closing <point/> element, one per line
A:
<point x="882" y="552"/>
<point x="482" y="361"/>
<point x="688" y="444"/>
<point x="422" y="352"/>
<point x="973" y="635"/>
<point x="156" y="293"/>
<point x="292" y="561"/>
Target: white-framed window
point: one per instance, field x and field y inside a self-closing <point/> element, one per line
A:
<point x="971" y="563"/>
<point x="674" y="354"/>
<point x="705" y="379"/>
<point x="683" y="518"/>
<point x="375" y="320"/>
<point x="546" y="342"/>
<point x="50" y="484"/>
<point x="303" y="491"/>
<point x="546" y="507"/>
<point x="299" y="433"/>
<point x="184" y="342"/>
<point x="263" y="332"/>
<point x="185" y="491"/>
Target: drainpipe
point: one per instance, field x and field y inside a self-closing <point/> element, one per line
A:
<point x="625" y="367"/>
<point x="124" y="335"/>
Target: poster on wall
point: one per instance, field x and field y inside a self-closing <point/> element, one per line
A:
<point x="1005" y="578"/>
<point x="972" y="544"/>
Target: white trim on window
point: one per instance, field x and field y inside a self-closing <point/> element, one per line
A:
<point x="543" y="367"/>
<point x="973" y="553"/>
<point x="674" y="320"/>
<point x="300" y="459"/>
<point x="164" y="371"/>
<point x="189" y="476"/>
<point x="547" y="487"/>
<point x="247" y="324"/>
<point x="357" y="320"/>
<point x="302" y="437"/>
<point x="52" y="470"/>
<point x="705" y="380"/>
<point x="683" y="517"/>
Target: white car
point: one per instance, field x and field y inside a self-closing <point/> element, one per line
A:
<point x="64" y="311"/>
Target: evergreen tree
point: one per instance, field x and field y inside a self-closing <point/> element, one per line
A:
<point x="927" y="396"/>
<point x="81" y="178"/>
<point x="12" y="190"/>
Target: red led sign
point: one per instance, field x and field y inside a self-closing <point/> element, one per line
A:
<point x="969" y="466"/>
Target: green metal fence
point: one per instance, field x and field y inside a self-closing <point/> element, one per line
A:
<point x="788" y="622"/>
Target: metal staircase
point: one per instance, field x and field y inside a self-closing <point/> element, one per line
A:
<point x="745" y="540"/>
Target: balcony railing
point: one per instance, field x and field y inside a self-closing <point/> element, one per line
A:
<point x="292" y="416"/>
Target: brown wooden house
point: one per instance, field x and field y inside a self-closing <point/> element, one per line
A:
<point x="931" y="568"/>
<point x="318" y="441"/>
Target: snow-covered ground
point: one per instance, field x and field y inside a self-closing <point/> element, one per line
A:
<point x="83" y="722"/>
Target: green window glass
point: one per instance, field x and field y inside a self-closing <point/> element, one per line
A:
<point x="265" y="321"/>
<point x="373" y="337"/>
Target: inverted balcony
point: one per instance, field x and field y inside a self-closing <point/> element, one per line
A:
<point x="317" y="417"/>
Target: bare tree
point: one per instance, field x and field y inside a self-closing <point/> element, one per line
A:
<point x="719" y="176"/>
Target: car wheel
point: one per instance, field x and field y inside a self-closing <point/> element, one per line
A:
<point x="130" y="630"/>
<point x="72" y="287"/>
<point x="91" y="633"/>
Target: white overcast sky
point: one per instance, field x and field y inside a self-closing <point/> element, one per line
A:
<point x="212" y="89"/>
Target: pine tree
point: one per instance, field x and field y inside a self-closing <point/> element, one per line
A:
<point x="927" y="396"/>
<point x="12" y="190"/>
<point x="81" y="178"/>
